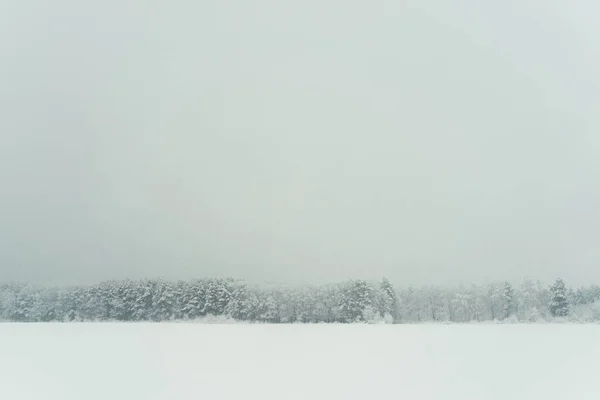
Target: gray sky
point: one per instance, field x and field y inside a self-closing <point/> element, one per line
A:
<point x="428" y="141"/>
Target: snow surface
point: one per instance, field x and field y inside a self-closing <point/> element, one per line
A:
<point x="197" y="361"/>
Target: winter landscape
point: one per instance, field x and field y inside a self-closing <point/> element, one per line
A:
<point x="353" y="301"/>
<point x="225" y="339"/>
<point x="311" y="200"/>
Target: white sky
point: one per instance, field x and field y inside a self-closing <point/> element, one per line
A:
<point x="428" y="141"/>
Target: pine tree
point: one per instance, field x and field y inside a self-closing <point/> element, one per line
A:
<point x="194" y="300"/>
<point x="236" y="308"/>
<point x="268" y="310"/>
<point x="355" y="298"/>
<point x="559" y="303"/>
<point x="217" y="297"/>
<point x="162" y="301"/>
<point x="508" y="299"/>
<point x="495" y="300"/>
<point x="390" y="300"/>
<point x="178" y="293"/>
<point x="142" y="306"/>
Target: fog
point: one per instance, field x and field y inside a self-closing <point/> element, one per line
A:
<point x="426" y="141"/>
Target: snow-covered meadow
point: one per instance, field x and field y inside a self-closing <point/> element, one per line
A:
<point x="253" y="361"/>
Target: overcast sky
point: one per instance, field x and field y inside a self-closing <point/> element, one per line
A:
<point x="427" y="141"/>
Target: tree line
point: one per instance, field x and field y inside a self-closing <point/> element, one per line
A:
<point x="352" y="301"/>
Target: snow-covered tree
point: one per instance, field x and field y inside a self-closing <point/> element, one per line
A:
<point x="237" y="306"/>
<point x="353" y="301"/>
<point x="529" y="304"/>
<point x="436" y="304"/>
<point x="558" y="304"/>
<point x="410" y="305"/>
<point x="461" y="305"/>
<point x="496" y="308"/>
<point x="356" y="296"/>
<point x="162" y="301"/>
<point x="508" y="300"/>
<point x="194" y="299"/>
<point x="217" y="297"/>
<point x="389" y="303"/>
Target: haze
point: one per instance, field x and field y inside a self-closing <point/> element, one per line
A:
<point x="426" y="141"/>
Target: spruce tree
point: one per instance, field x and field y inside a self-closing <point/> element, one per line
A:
<point x="355" y="298"/>
<point x="508" y="298"/>
<point x="390" y="301"/>
<point x="559" y="303"/>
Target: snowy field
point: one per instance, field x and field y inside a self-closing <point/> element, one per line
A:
<point x="199" y="361"/>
